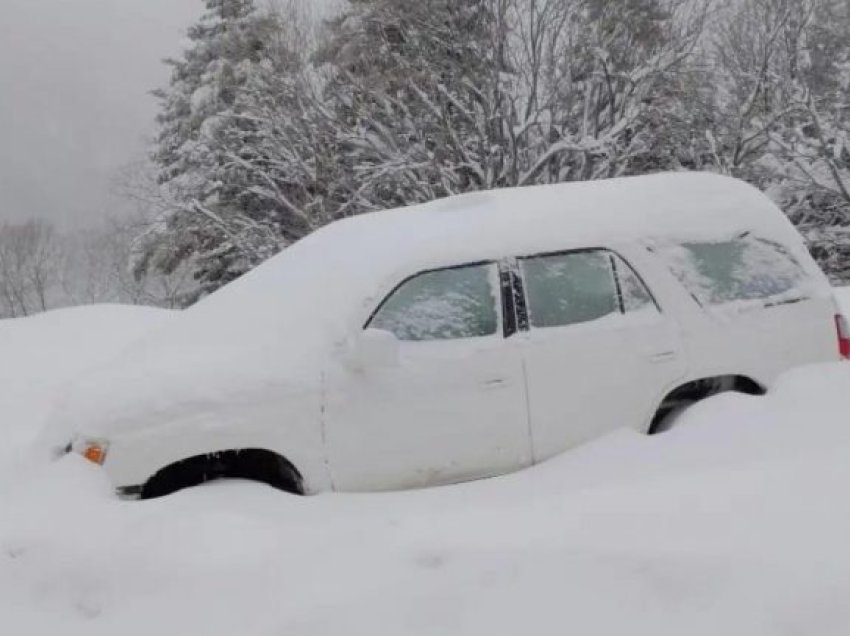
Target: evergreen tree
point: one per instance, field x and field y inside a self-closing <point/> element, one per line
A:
<point x="622" y="93"/>
<point x="443" y="96"/>
<point x="205" y="121"/>
<point x="411" y="91"/>
<point x="261" y="142"/>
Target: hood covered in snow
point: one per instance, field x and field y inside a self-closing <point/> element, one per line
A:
<point x="191" y="368"/>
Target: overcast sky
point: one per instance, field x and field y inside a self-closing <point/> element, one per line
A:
<point x="74" y="102"/>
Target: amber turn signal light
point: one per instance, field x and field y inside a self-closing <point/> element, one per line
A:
<point x="95" y="454"/>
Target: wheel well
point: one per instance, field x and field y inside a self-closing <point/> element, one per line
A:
<point x="700" y="389"/>
<point x="249" y="463"/>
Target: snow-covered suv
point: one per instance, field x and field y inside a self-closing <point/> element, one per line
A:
<point x="463" y="338"/>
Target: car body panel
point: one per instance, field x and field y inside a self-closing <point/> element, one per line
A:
<point x="587" y="380"/>
<point x="289" y="425"/>
<point x="450" y="411"/>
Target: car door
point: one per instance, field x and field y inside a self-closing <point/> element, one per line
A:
<point x="599" y="352"/>
<point x="453" y="408"/>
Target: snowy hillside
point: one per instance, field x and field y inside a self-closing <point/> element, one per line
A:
<point x="734" y="523"/>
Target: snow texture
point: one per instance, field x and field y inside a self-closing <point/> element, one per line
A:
<point x="735" y="522"/>
<point x="41" y="354"/>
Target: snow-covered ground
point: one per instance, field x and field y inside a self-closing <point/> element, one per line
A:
<point x="737" y="523"/>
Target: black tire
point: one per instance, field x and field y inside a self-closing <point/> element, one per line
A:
<point x="667" y="420"/>
<point x="251" y="464"/>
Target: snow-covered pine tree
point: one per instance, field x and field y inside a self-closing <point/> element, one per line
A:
<point x="619" y="86"/>
<point x="214" y="221"/>
<point x="657" y="44"/>
<point x="411" y="91"/>
<point x="444" y="96"/>
<point x="287" y="155"/>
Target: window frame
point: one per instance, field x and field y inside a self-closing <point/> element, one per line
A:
<point x="612" y="255"/>
<point x="512" y="305"/>
<point x="501" y="306"/>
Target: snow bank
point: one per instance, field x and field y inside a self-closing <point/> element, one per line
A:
<point x="735" y="522"/>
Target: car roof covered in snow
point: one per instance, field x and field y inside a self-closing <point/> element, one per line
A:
<point x="382" y="247"/>
<point x="342" y="269"/>
<point x="513" y="221"/>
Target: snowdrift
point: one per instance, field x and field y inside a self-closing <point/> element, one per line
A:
<point x="736" y="522"/>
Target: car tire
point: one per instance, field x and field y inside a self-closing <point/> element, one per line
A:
<point x="668" y="420"/>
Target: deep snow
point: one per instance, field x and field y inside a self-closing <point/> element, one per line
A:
<point x="736" y="522"/>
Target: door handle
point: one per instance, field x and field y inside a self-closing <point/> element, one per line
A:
<point x="663" y="356"/>
<point x="494" y="383"/>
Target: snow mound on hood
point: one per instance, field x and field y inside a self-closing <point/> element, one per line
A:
<point x="40" y="354"/>
<point x="55" y="346"/>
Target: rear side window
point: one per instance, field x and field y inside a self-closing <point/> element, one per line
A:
<point x="746" y="268"/>
<point x="579" y="287"/>
<point x="445" y="304"/>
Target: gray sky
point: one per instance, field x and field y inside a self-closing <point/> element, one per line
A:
<point x="74" y="103"/>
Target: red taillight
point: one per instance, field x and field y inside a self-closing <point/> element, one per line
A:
<point x="843" y="336"/>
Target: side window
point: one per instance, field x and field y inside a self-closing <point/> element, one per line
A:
<point x="745" y="268"/>
<point x="577" y="287"/>
<point x="446" y="304"/>
<point x="565" y="289"/>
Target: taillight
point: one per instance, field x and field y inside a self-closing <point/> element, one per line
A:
<point x="843" y="336"/>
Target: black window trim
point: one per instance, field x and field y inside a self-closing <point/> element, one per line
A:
<point x="634" y="271"/>
<point x="521" y="303"/>
<point x="618" y="286"/>
<point x="509" y="313"/>
<point x="513" y="298"/>
<point x="404" y="281"/>
<point x="522" y="299"/>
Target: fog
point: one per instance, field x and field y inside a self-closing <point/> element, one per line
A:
<point x="75" y="77"/>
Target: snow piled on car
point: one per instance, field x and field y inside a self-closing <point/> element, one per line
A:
<point x="41" y="354"/>
<point x="735" y="522"/>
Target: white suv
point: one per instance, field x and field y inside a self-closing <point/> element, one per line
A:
<point x="464" y="338"/>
